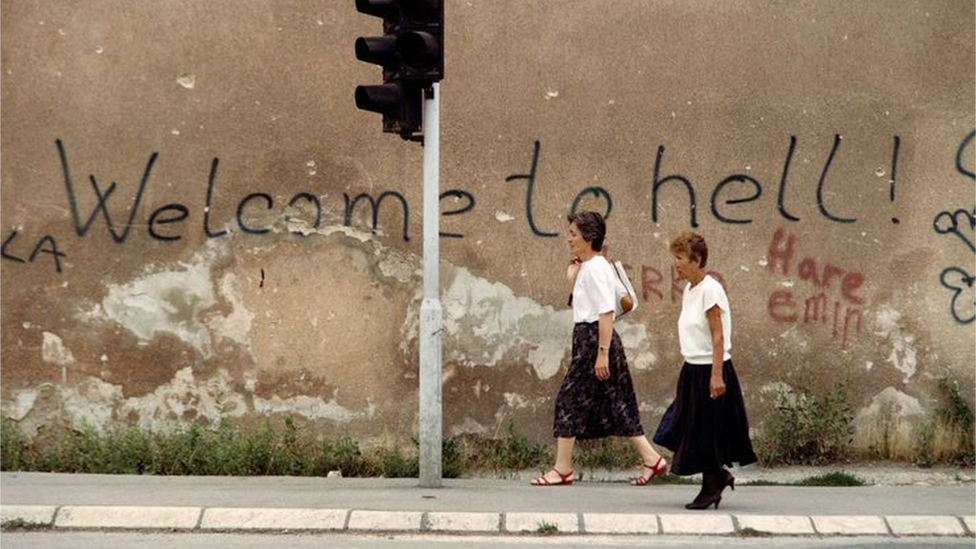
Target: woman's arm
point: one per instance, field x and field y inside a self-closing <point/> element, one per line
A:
<point x="572" y="271"/>
<point x="605" y="328"/>
<point x="716" y="385"/>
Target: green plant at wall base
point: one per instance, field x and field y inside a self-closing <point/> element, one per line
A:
<point x="957" y="412"/>
<point x="11" y="446"/>
<point x="511" y="452"/>
<point x="807" y="428"/>
<point x="393" y="464"/>
<point x="950" y="437"/>
<point x="608" y="453"/>
<point x="925" y="435"/>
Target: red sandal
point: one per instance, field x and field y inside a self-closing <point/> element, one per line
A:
<point x="657" y="470"/>
<point x="564" y="480"/>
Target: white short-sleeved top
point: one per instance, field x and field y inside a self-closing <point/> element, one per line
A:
<point x="694" y="335"/>
<point x="594" y="292"/>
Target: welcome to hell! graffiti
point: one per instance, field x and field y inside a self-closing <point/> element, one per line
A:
<point x="728" y="203"/>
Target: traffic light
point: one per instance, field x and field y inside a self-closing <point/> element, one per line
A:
<point x="411" y="52"/>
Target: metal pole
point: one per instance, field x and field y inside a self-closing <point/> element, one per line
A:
<point x="431" y="315"/>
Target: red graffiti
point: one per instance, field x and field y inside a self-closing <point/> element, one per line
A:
<point x="841" y="309"/>
<point x="652" y="282"/>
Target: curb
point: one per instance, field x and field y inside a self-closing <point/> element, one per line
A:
<point x="222" y="519"/>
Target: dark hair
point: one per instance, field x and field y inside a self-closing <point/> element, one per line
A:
<point x="591" y="226"/>
<point x="692" y="244"/>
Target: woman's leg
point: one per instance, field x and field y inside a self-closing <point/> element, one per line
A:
<point x="649" y="456"/>
<point x="564" y="454"/>
<point x="564" y="460"/>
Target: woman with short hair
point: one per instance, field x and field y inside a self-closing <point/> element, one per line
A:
<point x="596" y="398"/>
<point x="708" y="427"/>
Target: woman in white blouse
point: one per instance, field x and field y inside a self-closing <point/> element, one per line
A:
<point x="596" y="398"/>
<point x="708" y="427"/>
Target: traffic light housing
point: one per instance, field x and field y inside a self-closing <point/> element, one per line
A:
<point x="411" y="53"/>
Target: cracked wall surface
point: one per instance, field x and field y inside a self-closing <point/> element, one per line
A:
<point x="199" y="225"/>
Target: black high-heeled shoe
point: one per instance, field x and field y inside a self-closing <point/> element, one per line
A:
<point x="705" y="501"/>
<point x="711" y="492"/>
<point x="728" y="480"/>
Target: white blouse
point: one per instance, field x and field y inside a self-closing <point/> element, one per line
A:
<point x="694" y="334"/>
<point x="595" y="290"/>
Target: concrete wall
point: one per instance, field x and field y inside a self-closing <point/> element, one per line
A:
<point x="182" y="239"/>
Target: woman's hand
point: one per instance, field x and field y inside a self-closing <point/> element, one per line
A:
<point x="602" y="368"/>
<point x="716" y="386"/>
<point x="573" y="270"/>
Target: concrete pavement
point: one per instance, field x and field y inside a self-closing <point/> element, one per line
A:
<point x="475" y="506"/>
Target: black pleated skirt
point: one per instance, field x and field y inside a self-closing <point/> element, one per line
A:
<point x="703" y="433"/>
<point x="587" y="408"/>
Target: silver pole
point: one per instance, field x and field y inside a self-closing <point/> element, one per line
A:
<point x="431" y="316"/>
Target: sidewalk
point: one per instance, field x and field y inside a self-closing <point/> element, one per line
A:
<point x="482" y="506"/>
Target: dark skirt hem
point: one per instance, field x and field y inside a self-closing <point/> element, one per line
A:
<point x="703" y="433"/>
<point x="587" y="408"/>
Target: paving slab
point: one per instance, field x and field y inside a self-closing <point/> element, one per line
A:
<point x="385" y="520"/>
<point x="614" y="523"/>
<point x="970" y="523"/>
<point x="103" y="516"/>
<point x="925" y="526"/>
<point x="439" y="521"/>
<point x="698" y="524"/>
<point x="850" y="525"/>
<point x="42" y="515"/>
<point x="273" y="519"/>
<point x="530" y="522"/>
<point x="778" y="525"/>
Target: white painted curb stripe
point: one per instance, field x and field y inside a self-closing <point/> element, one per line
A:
<point x="196" y="518"/>
<point x="385" y="520"/>
<point x="103" y="516"/>
<point x="42" y="515"/>
<point x="463" y="522"/>
<point x="790" y="526"/>
<point x="273" y="519"/>
<point x="850" y="525"/>
<point x="613" y="523"/>
<point x="698" y="523"/>
<point x="925" y="526"/>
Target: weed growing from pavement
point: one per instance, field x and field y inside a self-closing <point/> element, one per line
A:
<point x="831" y="479"/>
<point x="20" y="525"/>
<point x="547" y="529"/>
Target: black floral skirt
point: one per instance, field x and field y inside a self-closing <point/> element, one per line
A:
<point x="588" y="408"/>
<point x="703" y="433"/>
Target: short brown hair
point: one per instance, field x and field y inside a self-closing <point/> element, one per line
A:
<point x="692" y="244"/>
<point x="591" y="226"/>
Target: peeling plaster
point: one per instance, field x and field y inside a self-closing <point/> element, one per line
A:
<point x="485" y="324"/>
<point x="167" y="302"/>
<point x="184" y="399"/>
<point x="54" y="351"/>
<point x="311" y="408"/>
<point x="236" y="326"/>
<point x="890" y="405"/>
<point x="22" y="404"/>
<point x="904" y="356"/>
<point x="469" y="427"/>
